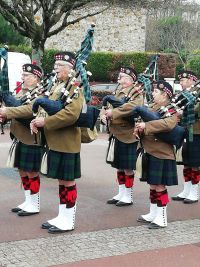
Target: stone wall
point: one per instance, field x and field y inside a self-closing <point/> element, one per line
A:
<point x="120" y="29"/>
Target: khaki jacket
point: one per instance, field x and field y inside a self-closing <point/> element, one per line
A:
<point x="59" y="129"/>
<point x="120" y="126"/>
<point x="60" y="132"/>
<point x="21" y="132"/>
<point x="154" y="146"/>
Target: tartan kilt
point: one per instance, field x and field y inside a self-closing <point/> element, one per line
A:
<point x="191" y="151"/>
<point x="28" y="157"/>
<point x="63" y="166"/>
<point x="161" y="171"/>
<point x="125" y="155"/>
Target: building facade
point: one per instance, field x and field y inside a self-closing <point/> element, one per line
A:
<point x="121" y="28"/>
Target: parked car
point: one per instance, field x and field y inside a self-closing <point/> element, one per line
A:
<point x="98" y="92"/>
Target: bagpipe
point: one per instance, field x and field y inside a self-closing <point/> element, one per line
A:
<point x="89" y="114"/>
<point x="12" y="100"/>
<point x="111" y="99"/>
<point x="179" y="103"/>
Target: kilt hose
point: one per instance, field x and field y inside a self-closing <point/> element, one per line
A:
<point x="63" y="166"/>
<point x="191" y="152"/>
<point x="125" y="155"/>
<point x="28" y="157"/>
<point x="161" y="171"/>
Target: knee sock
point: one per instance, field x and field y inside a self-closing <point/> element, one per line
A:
<point x="153" y="196"/>
<point x="121" y="177"/>
<point x="162" y="198"/>
<point x="25" y="182"/>
<point x="187" y="174"/>
<point x="195" y="176"/>
<point x="129" y="180"/>
<point x="34" y="184"/>
<point x="68" y="195"/>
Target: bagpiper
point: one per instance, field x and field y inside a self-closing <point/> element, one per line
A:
<point x="64" y="142"/>
<point x="122" y="140"/>
<point x="191" y="148"/>
<point x="161" y="168"/>
<point x="27" y="153"/>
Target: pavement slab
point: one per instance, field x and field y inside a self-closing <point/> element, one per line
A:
<point x="72" y="247"/>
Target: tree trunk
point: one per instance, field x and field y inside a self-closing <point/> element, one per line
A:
<point x="37" y="53"/>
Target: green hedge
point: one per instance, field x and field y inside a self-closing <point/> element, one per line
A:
<point x="194" y="62"/>
<point x="103" y="65"/>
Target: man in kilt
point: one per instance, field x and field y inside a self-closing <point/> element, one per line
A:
<point x="191" y="148"/>
<point x="161" y="164"/>
<point x="27" y="154"/>
<point x="64" y="142"/>
<point x="121" y="133"/>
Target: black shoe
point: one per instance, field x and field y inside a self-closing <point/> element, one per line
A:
<point x="155" y="226"/>
<point x="56" y="230"/>
<point x="16" y="209"/>
<point x="189" y="201"/>
<point x="112" y="201"/>
<point x="46" y="225"/>
<point x="177" y="198"/>
<point x="142" y="220"/>
<point x="26" y="213"/>
<point x="121" y="204"/>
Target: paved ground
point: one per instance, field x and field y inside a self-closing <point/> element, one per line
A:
<point x="105" y="235"/>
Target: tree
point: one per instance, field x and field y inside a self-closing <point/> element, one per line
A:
<point x="8" y="35"/>
<point x="41" y="19"/>
<point x="176" y="30"/>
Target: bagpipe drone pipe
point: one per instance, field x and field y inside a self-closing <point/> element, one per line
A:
<point x="180" y="102"/>
<point x="89" y="114"/>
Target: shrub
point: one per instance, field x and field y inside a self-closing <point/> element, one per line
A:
<point x="105" y="65"/>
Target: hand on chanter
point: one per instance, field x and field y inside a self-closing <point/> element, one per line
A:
<point x="103" y="120"/>
<point x="37" y="123"/>
<point x="139" y="129"/>
<point x="108" y="114"/>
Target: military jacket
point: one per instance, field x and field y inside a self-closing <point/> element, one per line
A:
<point x="59" y="129"/>
<point x="152" y="144"/>
<point x="18" y="129"/>
<point x="121" y="125"/>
